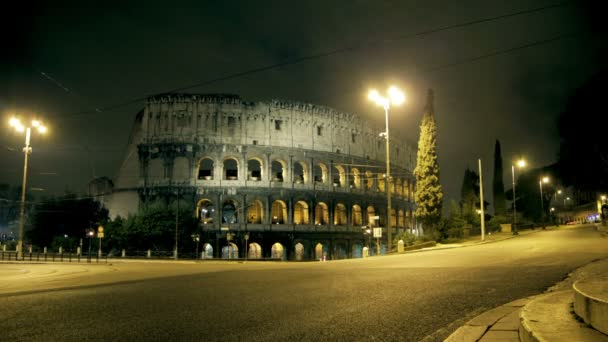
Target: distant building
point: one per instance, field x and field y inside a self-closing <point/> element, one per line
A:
<point x="297" y="180"/>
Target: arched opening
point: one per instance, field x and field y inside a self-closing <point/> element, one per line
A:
<point x="320" y="252"/>
<point x="277" y="169"/>
<point x="229" y="214"/>
<point x="156" y="170"/>
<point x="320" y="173"/>
<point x="231" y="169"/>
<point x="406" y="190"/>
<point x="341" y="251"/>
<point x="371" y="212"/>
<point x="255" y="212"/>
<point x="300" y="174"/>
<point x="369" y="180"/>
<point x="401" y="219"/>
<point x="399" y="189"/>
<point x="205" y="169"/>
<point x="357" y="250"/>
<point x="279" y="212"/>
<point x="254" y="169"/>
<point x="340" y="214"/>
<point x="321" y="214"/>
<point x="300" y="213"/>
<point x="230" y="251"/>
<point x="299" y="252"/>
<point x="277" y="251"/>
<point x="255" y="251"/>
<point x="207" y="252"/>
<point x="356" y="178"/>
<point x="338" y="175"/>
<point x="205" y="211"/>
<point x="357" y="216"/>
<point x="381" y="182"/>
<point x="393" y="218"/>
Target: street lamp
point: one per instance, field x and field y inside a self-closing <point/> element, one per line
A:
<point x="396" y="98"/>
<point x="196" y="238"/>
<point x="542" y="206"/>
<point x="520" y="163"/>
<point x="19" y="127"/>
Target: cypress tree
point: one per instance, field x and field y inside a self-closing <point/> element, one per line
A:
<point x="429" y="194"/>
<point x="498" y="187"/>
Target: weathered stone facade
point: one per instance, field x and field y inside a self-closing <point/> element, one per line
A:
<point x="301" y="180"/>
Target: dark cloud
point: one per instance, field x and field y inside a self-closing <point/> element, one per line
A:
<point x="110" y="53"/>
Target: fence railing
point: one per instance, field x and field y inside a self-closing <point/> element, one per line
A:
<point x="53" y="257"/>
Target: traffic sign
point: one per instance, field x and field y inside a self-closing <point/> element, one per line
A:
<point x="100" y="232"/>
<point x="378" y="232"/>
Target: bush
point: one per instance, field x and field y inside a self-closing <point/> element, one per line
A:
<point x="455" y="233"/>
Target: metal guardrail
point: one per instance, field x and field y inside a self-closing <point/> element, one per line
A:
<point x="53" y="257"/>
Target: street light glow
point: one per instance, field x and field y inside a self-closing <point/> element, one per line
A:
<point x="545" y="179"/>
<point x="14" y="122"/>
<point x="521" y="163"/>
<point x="41" y="129"/>
<point x="375" y="96"/>
<point x="396" y="95"/>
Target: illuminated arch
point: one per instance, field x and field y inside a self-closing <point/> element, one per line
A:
<point x="300" y="213"/>
<point x="278" y="213"/>
<point x="356" y="179"/>
<point x="255" y="212"/>
<point x="205" y="168"/>
<point x="357" y="215"/>
<point x="205" y="211"/>
<point x="321" y="214"/>
<point x="339" y="214"/>
<point x="231" y="168"/>
<point x="255" y="169"/>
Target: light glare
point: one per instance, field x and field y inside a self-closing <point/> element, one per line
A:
<point x="521" y="163"/>
<point x="35" y="123"/>
<point x="14" y="122"/>
<point x="396" y="95"/>
<point x="42" y="129"/>
<point x="545" y="179"/>
<point x="20" y="128"/>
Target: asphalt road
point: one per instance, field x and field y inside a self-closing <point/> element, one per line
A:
<point x="412" y="297"/>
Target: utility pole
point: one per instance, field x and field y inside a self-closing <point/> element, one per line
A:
<point x="483" y="223"/>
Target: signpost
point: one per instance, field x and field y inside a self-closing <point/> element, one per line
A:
<point x="378" y="235"/>
<point x="99" y="237"/>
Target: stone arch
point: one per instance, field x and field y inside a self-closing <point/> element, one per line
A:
<point x="254" y="251"/>
<point x="181" y="169"/>
<point x="278" y="212"/>
<point x="320" y="172"/>
<point x="357" y="216"/>
<point x="369" y="180"/>
<point x="393" y="217"/>
<point x="356" y="250"/>
<point x="299" y="252"/>
<point x="205" y="211"/>
<point x="229" y="212"/>
<point x="231" y="168"/>
<point x="277" y="251"/>
<point x="205" y="168"/>
<point x="321" y="214"/>
<point x="371" y="212"/>
<point x="255" y="169"/>
<point x="207" y="252"/>
<point x="277" y="171"/>
<point x="399" y="189"/>
<point x="300" y="213"/>
<point x="255" y="212"/>
<point x="401" y="219"/>
<point x="381" y="182"/>
<point x="320" y="251"/>
<point x="156" y="171"/>
<point x="300" y="172"/>
<point x="340" y="215"/>
<point x="340" y="250"/>
<point x="356" y="179"/>
<point x="338" y="175"/>
<point x="406" y="189"/>
<point x="230" y="251"/>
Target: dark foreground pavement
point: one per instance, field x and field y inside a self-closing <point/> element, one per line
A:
<point x="411" y="297"/>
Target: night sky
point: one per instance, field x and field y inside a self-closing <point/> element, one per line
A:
<point x="85" y="71"/>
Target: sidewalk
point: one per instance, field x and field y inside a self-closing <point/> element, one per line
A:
<point x="549" y="314"/>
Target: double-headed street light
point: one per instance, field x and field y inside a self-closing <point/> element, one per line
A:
<point x="27" y="128"/>
<point x="520" y="163"/>
<point x="395" y="97"/>
<point x="542" y="206"/>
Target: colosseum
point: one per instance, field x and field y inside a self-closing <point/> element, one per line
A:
<point x="268" y="179"/>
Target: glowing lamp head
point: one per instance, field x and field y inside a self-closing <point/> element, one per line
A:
<point x="521" y="163"/>
<point x="36" y="123"/>
<point x="14" y="122"/>
<point x="375" y="96"/>
<point x="397" y="96"/>
<point x="559" y="192"/>
<point x="545" y="179"/>
<point x="603" y="197"/>
<point x="41" y="129"/>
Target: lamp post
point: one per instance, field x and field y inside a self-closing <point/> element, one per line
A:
<point x="520" y="163"/>
<point x="19" y="127"/>
<point x="196" y="238"/>
<point x="542" y="206"/>
<point x="396" y="98"/>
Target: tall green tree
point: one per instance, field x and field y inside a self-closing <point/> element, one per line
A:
<point x="429" y="193"/>
<point x="498" y="187"/>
